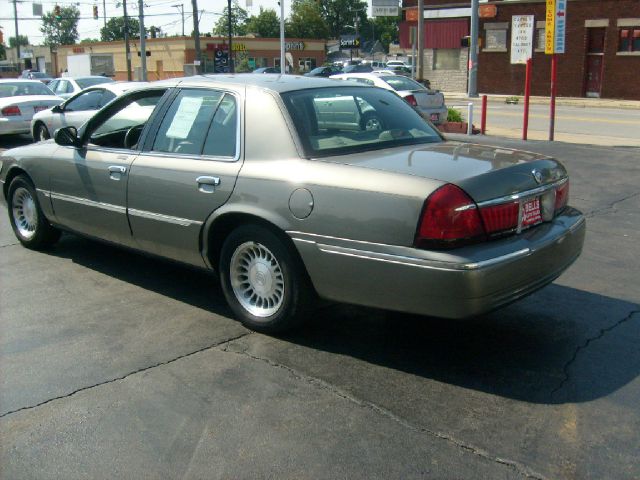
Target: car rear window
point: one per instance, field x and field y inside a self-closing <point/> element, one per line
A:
<point x="344" y="120"/>
<point x="400" y="83"/>
<point x="17" y="89"/>
<point x="90" y="82"/>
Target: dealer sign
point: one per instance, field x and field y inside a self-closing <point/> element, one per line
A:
<point x="522" y="38"/>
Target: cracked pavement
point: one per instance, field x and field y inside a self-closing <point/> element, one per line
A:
<point x="114" y="365"/>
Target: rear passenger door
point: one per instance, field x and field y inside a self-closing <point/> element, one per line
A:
<point x="185" y="173"/>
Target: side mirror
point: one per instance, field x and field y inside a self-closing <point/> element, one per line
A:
<point x="57" y="109"/>
<point x="67" y="136"/>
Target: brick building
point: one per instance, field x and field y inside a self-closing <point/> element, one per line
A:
<point x="601" y="59"/>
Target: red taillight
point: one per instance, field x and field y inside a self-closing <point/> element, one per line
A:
<point x="562" y="196"/>
<point x="501" y="217"/>
<point x="411" y="100"/>
<point x="11" y="111"/>
<point x="449" y="218"/>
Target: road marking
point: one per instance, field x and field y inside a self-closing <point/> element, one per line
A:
<point x="563" y="117"/>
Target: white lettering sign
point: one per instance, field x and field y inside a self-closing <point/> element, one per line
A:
<point x="522" y="27"/>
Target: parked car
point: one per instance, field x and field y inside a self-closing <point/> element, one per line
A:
<point x="67" y="87"/>
<point x="358" y="68"/>
<point x="77" y="109"/>
<point x="19" y="100"/>
<point x="397" y="63"/>
<point x="274" y="184"/>
<point x="428" y="103"/>
<point x="35" y="75"/>
<point x="324" y="71"/>
<point x="266" y="70"/>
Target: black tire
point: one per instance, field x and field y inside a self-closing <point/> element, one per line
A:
<point x="29" y="224"/>
<point x="41" y="133"/>
<point x="253" y="258"/>
<point x="371" y="122"/>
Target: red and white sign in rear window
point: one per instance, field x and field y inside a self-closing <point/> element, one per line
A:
<point x="531" y="212"/>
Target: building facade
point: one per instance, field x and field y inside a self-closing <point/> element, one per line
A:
<point x="602" y="53"/>
<point x="167" y="57"/>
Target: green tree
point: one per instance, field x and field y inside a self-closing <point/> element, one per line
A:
<point x="386" y="30"/>
<point x="340" y="14"/>
<point x="239" y="17"/>
<point x="89" y="40"/>
<point x="306" y="21"/>
<point x="114" y="29"/>
<point x="265" y="24"/>
<point x="62" y="30"/>
<point x="22" y="40"/>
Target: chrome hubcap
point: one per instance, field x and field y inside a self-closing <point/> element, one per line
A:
<point x="372" y="124"/>
<point x="25" y="215"/>
<point x="257" y="279"/>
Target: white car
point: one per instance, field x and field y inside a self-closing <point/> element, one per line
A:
<point x="77" y="109"/>
<point x="68" y="86"/>
<point x="429" y="104"/>
<point x="19" y="101"/>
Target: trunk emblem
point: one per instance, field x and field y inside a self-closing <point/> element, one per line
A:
<point x="537" y="176"/>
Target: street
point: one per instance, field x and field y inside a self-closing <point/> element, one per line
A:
<point x="119" y="365"/>
<point x="574" y="124"/>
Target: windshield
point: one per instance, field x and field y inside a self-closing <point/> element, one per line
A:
<point x="90" y="82"/>
<point x="402" y="83"/>
<point x="38" y="75"/>
<point x="18" y="89"/>
<point x="344" y="120"/>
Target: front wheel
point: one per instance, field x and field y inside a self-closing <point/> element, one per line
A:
<point x="29" y="224"/>
<point x="264" y="284"/>
<point x="371" y="122"/>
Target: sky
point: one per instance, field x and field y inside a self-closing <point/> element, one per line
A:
<point x="160" y="13"/>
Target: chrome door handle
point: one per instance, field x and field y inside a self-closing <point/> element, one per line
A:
<point x="207" y="184"/>
<point x="116" y="172"/>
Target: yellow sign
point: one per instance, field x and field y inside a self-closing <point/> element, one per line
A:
<point x="549" y="33"/>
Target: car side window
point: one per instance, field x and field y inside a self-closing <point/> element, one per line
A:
<point x="53" y="84"/>
<point x="107" y="96"/>
<point x="61" y="87"/>
<point x="366" y="81"/>
<point x="222" y="137"/>
<point x="85" y="101"/>
<point x="69" y="87"/>
<point x="185" y="127"/>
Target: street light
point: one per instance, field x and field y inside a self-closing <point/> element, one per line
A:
<point x="181" y="7"/>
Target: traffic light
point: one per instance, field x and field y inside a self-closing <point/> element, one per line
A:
<point x="95" y="12"/>
<point x="56" y="12"/>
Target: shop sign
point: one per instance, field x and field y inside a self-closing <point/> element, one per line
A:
<point x="411" y="14"/>
<point x="384" y="8"/>
<point x="294" y="46"/>
<point x="348" y="42"/>
<point x="238" y="47"/>
<point x="522" y="27"/>
<point x="555" y="26"/>
<point x="488" y="11"/>
<point x="78" y="49"/>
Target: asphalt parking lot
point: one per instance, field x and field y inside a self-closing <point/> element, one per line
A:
<point x="117" y="365"/>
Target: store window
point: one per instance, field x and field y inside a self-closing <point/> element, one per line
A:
<point x="540" y="39"/>
<point x="495" y="37"/>
<point x="446" y="58"/>
<point x="306" y="64"/>
<point x="629" y="39"/>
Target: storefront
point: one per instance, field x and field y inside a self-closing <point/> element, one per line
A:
<point x="167" y="57"/>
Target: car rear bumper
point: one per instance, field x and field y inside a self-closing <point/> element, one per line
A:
<point x="441" y="112"/>
<point x="461" y="283"/>
<point x="9" y="125"/>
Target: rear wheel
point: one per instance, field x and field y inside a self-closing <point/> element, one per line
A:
<point x="264" y="284"/>
<point x="371" y="122"/>
<point x="29" y="224"/>
<point x="41" y="132"/>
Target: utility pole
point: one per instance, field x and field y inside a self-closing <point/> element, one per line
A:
<point x="230" y="35"/>
<point x="473" y="50"/>
<point x="196" y="35"/>
<point x="104" y="12"/>
<point x="15" y="19"/>
<point x="283" y="68"/>
<point x="143" y="41"/>
<point x="181" y="7"/>
<point x="420" y="33"/>
<point x="127" y="50"/>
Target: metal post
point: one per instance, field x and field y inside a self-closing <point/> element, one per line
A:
<point x="413" y="60"/>
<point x="420" y="59"/>
<point x="470" y="118"/>
<point x="181" y="7"/>
<point x="196" y="36"/>
<point x="104" y="12"/>
<point x="527" y="94"/>
<point x="127" y="49"/>
<point x="15" y="19"/>
<point x="143" y="41"/>
<point x="230" y="36"/>
<point x="554" y="86"/>
<point x="483" y="122"/>
<point x="473" y="50"/>
<point x="282" y="45"/>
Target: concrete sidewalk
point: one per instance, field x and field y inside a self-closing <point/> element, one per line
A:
<point x="560" y="101"/>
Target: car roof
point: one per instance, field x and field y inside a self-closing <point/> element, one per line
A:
<point x="269" y="81"/>
<point x="20" y="80"/>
